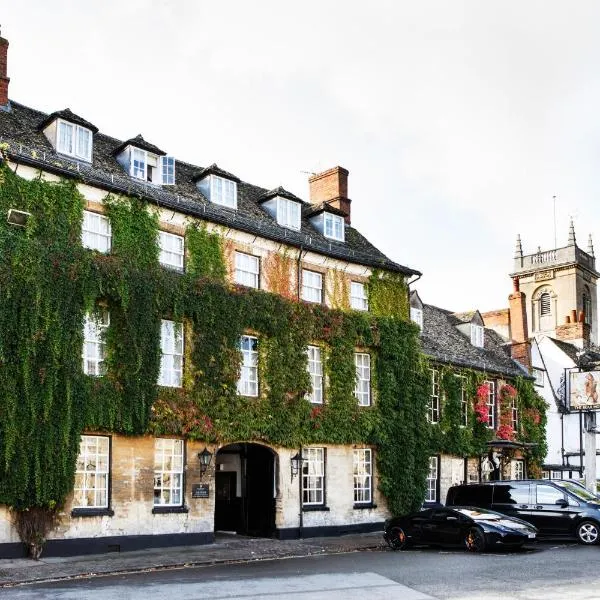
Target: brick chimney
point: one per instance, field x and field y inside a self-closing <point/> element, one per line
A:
<point x="331" y="187"/>
<point x="521" y="348"/>
<point x="3" y="72"/>
<point x="574" y="330"/>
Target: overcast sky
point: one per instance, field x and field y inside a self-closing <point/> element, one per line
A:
<point x="458" y="121"/>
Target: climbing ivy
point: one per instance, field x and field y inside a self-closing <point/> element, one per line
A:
<point x="388" y="294"/>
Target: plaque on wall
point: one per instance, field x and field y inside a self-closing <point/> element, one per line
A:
<point x="200" y="490"/>
<point x="544" y="275"/>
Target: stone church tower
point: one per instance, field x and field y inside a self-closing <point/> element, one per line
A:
<point x="556" y="291"/>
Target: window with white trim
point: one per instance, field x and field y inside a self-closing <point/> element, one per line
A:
<point x="171" y="347"/>
<point x="545" y="304"/>
<point x="555" y="474"/>
<point x="477" y="335"/>
<point x="313" y="476"/>
<point x="94" y="344"/>
<point x="358" y="296"/>
<point x="464" y="402"/>
<point x="363" y="475"/>
<point x="518" y="469"/>
<point x="288" y="213"/>
<point x="312" y="286"/>
<point x="172" y="250"/>
<point x="416" y="316"/>
<point x="91" y="472"/>
<point x="139" y="163"/>
<point x="514" y="414"/>
<point x="491" y="404"/>
<point x="248" y="381"/>
<point x="433" y="474"/>
<point x="167" y="170"/>
<point x="362" y="388"/>
<point x="223" y="191"/>
<point x="247" y="269"/>
<point x="333" y="227"/>
<point x="315" y="370"/>
<point x="433" y="414"/>
<point x="74" y="140"/>
<point x="96" y="232"/>
<point x="539" y="377"/>
<point x="168" y="472"/>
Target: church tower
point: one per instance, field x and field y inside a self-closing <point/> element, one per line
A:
<point x="559" y="289"/>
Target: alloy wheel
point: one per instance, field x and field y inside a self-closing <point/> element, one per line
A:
<point x="588" y="532"/>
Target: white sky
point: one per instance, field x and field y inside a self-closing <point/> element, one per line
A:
<point x="457" y="120"/>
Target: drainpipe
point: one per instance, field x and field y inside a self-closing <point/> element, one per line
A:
<point x="299" y="273"/>
<point x="301" y="520"/>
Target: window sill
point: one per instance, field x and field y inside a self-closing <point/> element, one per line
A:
<point x="92" y="512"/>
<point x="364" y="506"/>
<point x="164" y="510"/>
<point x="315" y="508"/>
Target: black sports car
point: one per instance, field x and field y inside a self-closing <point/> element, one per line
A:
<point x="473" y="528"/>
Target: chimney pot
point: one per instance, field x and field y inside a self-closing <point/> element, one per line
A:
<point x="573" y="316"/>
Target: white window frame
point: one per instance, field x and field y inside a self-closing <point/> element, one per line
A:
<point x="518" y="470"/>
<point x="315" y="370"/>
<point x="312" y="286"/>
<point x="539" y="377"/>
<point x="433" y="412"/>
<point x="477" y="335"/>
<point x="171" y="359"/>
<point x="313" y="477"/>
<point x="362" y="385"/>
<point x="333" y="227"/>
<point x="491" y="404"/>
<point x="514" y="414"/>
<point x="358" y="296"/>
<point x="464" y="402"/>
<point x="288" y="213"/>
<point x="172" y="250"/>
<point x="248" y="381"/>
<point x="556" y="475"/>
<point x="94" y="343"/>
<point x="362" y="459"/>
<point x="96" y="232"/>
<point x="139" y="171"/>
<point x="167" y="170"/>
<point x="545" y="304"/>
<point x="223" y="191"/>
<point x="92" y="473"/>
<point x="76" y="131"/>
<point x="168" y="472"/>
<point x="431" y="494"/>
<point x="416" y="316"/>
<point x="247" y="269"/>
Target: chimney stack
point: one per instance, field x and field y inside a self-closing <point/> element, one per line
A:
<point x="574" y="330"/>
<point x="331" y="187"/>
<point x="521" y="348"/>
<point x="3" y="73"/>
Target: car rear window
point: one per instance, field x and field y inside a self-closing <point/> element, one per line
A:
<point x="511" y="493"/>
<point x="470" y="495"/>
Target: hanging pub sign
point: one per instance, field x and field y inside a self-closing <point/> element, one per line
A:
<point x="584" y="390"/>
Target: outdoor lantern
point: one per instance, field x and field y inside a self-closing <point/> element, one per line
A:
<point x="296" y="463"/>
<point x="205" y="457"/>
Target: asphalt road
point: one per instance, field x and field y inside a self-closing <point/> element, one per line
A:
<point x="548" y="572"/>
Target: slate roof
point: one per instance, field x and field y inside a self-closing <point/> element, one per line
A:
<point x="68" y="115"/>
<point x="139" y="142"/>
<point x="441" y="340"/>
<point x="19" y="128"/>
<point x="279" y="191"/>
<point x="569" y="349"/>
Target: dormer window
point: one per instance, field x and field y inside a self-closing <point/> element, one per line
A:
<point x="146" y="162"/>
<point x="333" y="227"/>
<point x="288" y="213"/>
<point x="74" y="140"/>
<point x="223" y="191"/>
<point x="477" y="335"/>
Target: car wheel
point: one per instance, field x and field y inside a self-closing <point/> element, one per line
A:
<point x="397" y="538"/>
<point x="475" y="540"/>
<point x="588" y="532"/>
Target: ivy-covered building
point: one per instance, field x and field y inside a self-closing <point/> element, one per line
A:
<point x="183" y="352"/>
<point x="486" y="421"/>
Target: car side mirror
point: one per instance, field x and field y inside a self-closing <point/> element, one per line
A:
<point x="562" y="503"/>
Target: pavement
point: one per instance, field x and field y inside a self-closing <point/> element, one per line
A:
<point x="227" y="548"/>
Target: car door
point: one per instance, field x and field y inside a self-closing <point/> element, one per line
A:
<point x="552" y="511"/>
<point x="513" y="498"/>
<point x="443" y="527"/>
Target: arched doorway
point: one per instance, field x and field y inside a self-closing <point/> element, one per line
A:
<point x="245" y="489"/>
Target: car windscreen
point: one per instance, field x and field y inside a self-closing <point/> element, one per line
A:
<point x="578" y="491"/>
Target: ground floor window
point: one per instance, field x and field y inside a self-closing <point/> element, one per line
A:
<point x="313" y="476"/>
<point x="168" y="472"/>
<point x="432" y="479"/>
<point x="363" y="475"/>
<point x="518" y="469"/>
<point x="91" y="472"/>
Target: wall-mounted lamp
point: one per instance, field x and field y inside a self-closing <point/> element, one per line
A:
<point x="296" y="463"/>
<point x="17" y="217"/>
<point x="205" y="458"/>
